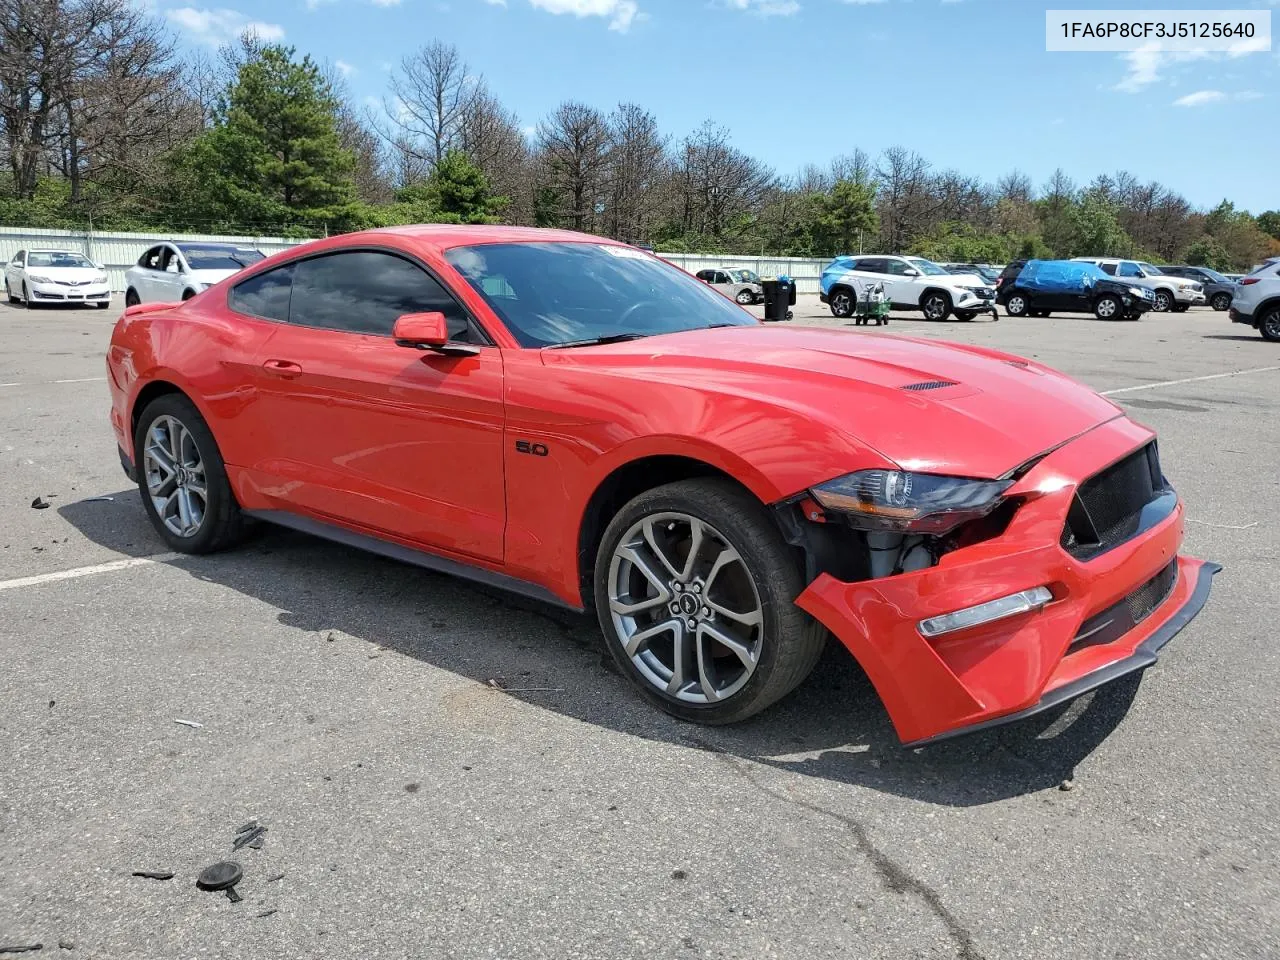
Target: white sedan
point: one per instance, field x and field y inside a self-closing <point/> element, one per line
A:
<point x="170" y="272"/>
<point x="55" y="276"/>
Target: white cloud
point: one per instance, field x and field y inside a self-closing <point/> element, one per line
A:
<point x="621" y="13"/>
<point x="386" y="3"/>
<point x="1200" y="98"/>
<point x="216" y="27"/>
<point x="345" y="68"/>
<point x="766" y="8"/>
<point x="1148" y="64"/>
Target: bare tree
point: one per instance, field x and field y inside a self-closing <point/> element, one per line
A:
<point x="716" y="182"/>
<point x="855" y="167"/>
<point x="491" y="136"/>
<point x="903" y="199"/>
<point x="637" y="163"/>
<point x="573" y="148"/>
<point x="430" y="94"/>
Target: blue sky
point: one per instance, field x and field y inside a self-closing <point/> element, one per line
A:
<point x="967" y="83"/>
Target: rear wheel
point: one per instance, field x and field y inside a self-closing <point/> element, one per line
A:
<point x="936" y="305"/>
<point x="1108" y="308"/>
<point x="1017" y="305"/>
<point x="695" y="593"/>
<point x="1269" y="324"/>
<point x="841" y="302"/>
<point x="183" y="480"/>
<point x="1221" y="302"/>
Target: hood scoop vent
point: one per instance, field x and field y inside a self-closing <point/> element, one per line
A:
<point x="929" y="385"/>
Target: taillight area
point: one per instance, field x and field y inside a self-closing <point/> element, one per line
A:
<point x="1248" y="281"/>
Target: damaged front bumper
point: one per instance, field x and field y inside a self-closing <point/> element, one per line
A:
<point x="1108" y="615"/>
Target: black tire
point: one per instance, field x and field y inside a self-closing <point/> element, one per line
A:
<point x="189" y="293"/>
<point x="843" y="302"/>
<point x="1017" y="305"/>
<point x="223" y="524"/>
<point x="1181" y="307"/>
<point x="966" y="315"/>
<point x="745" y="297"/>
<point x="103" y="305"/>
<point x="131" y="298"/>
<point x="791" y="641"/>
<point x="1164" y="301"/>
<point x="1269" y="323"/>
<point x="26" y="297"/>
<point x="9" y="294"/>
<point x="1108" y="307"/>
<point x="936" y="305"/>
<point x="1221" y="302"/>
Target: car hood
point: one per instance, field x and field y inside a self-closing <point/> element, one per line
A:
<point x="66" y="274"/>
<point x="961" y="280"/>
<point x="921" y="404"/>
<point x="210" y="277"/>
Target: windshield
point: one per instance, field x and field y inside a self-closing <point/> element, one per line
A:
<point x="927" y="267"/>
<point x="1215" y="276"/>
<point x="219" y="258"/>
<point x="58" y="259"/>
<point x="1150" y="268"/>
<point x="744" y="276"/>
<point x="562" y="293"/>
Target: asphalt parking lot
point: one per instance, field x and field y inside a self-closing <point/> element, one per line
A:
<point x="414" y="809"/>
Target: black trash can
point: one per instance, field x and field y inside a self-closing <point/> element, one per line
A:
<point x="779" y="296"/>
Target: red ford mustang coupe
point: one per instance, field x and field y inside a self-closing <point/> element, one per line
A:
<point x="575" y="420"/>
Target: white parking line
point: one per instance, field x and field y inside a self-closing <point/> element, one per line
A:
<point x="40" y="383"/>
<point x="1174" y="383"/>
<point x="78" y="572"/>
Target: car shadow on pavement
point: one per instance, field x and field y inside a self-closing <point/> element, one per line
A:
<point x="832" y="728"/>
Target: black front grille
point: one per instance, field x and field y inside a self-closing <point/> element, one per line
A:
<point x="1117" y="620"/>
<point x="1107" y="508"/>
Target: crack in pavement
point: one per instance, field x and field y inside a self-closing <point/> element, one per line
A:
<point x="894" y="876"/>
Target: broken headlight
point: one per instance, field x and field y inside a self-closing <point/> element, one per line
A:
<point x="914" y="502"/>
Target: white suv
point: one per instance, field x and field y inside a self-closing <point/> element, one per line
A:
<point x="1171" y="293"/>
<point x="1257" y="302"/>
<point x="911" y="283"/>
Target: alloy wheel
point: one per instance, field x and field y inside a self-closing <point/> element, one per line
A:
<point x="175" y="476"/>
<point x="1163" y="303"/>
<point x="685" y="608"/>
<point x="1106" y="308"/>
<point x="1016" y="306"/>
<point x="1222" y="302"/>
<point x="842" y="304"/>
<point x="1271" y="324"/>
<point x="934" y="307"/>
<point x="745" y="297"/>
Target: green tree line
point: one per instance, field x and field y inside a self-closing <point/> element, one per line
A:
<point x="103" y="124"/>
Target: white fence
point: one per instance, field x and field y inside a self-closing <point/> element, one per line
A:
<point x="116" y="251"/>
<point x="119" y="251"/>
<point x="806" y="272"/>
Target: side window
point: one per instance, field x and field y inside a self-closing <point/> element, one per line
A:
<point x="19" y="257"/>
<point x="265" y="295"/>
<point x="1109" y="268"/>
<point x="1128" y="270"/>
<point x="170" y="262"/>
<point x="365" y="291"/>
<point x="896" y="268"/>
<point x="151" y="259"/>
<point x="722" y="277"/>
<point x="870" y="266"/>
<point x="707" y="276"/>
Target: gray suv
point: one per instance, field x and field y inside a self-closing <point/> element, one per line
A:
<point x="735" y="283"/>
<point x="1257" y="302"/>
<point x="1217" y="288"/>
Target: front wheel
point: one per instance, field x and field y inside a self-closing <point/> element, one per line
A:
<point x="184" y="485"/>
<point x="9" y="294"/>
<point x="936" y="306"/>
<point x="131" y="298"/>
<point x="1108" y="308"/>
<point x="744" y="297"/>
<point x="1017" y="305"/>
<point x="1163" y="302"/>
<point x="841" y="303"/>
<point x="1221" y="302"/>
<point x="695" y="593"/>
<point x="1269" y="325"/>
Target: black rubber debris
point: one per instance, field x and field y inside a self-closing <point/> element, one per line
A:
<point x="267" y="913"/>
<point x="222" y="876"/>
<point x="36" y="504"/>
<point x="153" y="874"/>
<point x="256" y="842"/>
<point x="251" y="825"/>
<point x="248" y="837"/>
<point x="233" y="896"/>
<point x="278" y="876"/>
<point x="26" y="948"/>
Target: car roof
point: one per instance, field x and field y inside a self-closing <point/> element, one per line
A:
<point x="446" y="236"/>
<point x="78" y="253"/>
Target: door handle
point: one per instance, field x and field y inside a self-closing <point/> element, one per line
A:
<point x="285" y="369"/>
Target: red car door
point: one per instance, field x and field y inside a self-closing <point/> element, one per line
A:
<point x="401" y="442"/>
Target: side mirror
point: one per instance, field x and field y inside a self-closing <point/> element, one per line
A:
<point x="429" y="331"/>
<point x="911" y="273"/>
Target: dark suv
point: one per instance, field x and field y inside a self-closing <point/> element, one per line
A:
<point x="1218" y="290"/>
<point x="1042" y="286"/>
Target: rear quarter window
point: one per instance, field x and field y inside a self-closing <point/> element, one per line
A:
<point x="265" y="295"/>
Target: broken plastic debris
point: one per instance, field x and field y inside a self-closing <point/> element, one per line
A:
<point x="267" y="913"/>
<point x="26" y="948"/>
<point x="278" y="876"/>
<point x="99" y="499"/>
<point x="248" y="837"/>
<point x="36" y="504"/>
<point x="222" y="876"/>
<point x="189" y="723"/>
<point x="153" y="874"/>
